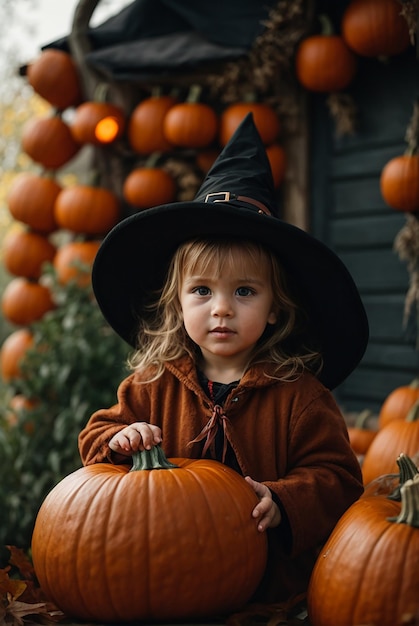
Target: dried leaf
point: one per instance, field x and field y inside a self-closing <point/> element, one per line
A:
<point x="19" y="559"/>
<point x="17" y="610"/>
<point x="9" y="586"/>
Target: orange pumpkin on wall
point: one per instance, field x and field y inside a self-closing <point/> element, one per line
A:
<point x="86" y="209"/>
<point x="264" y="117"/>
<point x="375" y="28"/>
<point x="146" y="125"/>
<point x="146" y="187"/>
<point x="54" y="76"/>
<point x="399" y="183"/>
<point x="49" y="142"/>
<point x="25" y="252"/>
<point x="25" y="301"/>
<point x="31" y="200"/>
<point x="13" y="351"/>
<point x="324" y="63"/>
<point x="88" y="122"/>
<point x="73" y="261"/>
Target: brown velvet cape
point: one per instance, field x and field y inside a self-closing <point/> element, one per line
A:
<point x="289" y="435"/>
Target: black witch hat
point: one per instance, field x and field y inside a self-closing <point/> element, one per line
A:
<point x="236" y="200"/>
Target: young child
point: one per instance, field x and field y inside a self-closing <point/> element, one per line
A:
<point x="242" y="324"/>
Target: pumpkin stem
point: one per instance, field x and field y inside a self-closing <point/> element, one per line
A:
<point x="326" y="25"/>
<point x="409" y="513"/>
<point x="150" y="459"/>
<point x="153" y="159"/>
<point x="408" y="470"/>
<point x="413" y="414"/>
<point x="362" y="418"/>
<point x="194" y="93"/>
<point x="101" y="92"/>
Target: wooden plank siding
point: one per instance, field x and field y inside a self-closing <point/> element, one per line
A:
<point x="348" y="213"/>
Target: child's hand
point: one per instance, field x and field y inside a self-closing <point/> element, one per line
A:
<point x="137" y="436"/>
<point x="266" y="512"/>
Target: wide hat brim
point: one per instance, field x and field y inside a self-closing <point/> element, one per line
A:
<point x="133" y="260"/>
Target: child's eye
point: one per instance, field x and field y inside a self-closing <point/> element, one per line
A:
<point x="244" y="291"/>
<point x="202" y="291"/>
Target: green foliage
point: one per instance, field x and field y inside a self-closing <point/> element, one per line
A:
<point x="73" y="369"/>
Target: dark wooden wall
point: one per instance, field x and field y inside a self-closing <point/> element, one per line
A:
<point x="349" y="214"/>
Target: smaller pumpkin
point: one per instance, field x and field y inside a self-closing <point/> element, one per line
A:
<point x="191" y="124"/>
<point x="25" y="252"/>
<point x="375" y="28"/>
<point x="264" y="117"/>
<point x="396" y="437"/>
<point x="53" y="75"/>
<point x="399" y="183"/>
<point x="49" y="142"/>
<point x="87" y="209"/>
<point x="73" y="262"/>
<point x="324" y="63"/>
<point x="367" y="571"/>
<point x="146" y="187"/>
<point x="389" y="485"/>
<point x="97" y="123"/>
<point x="146" y="125"/>
<point x="398" y="403"/>
<point x="31" y="200"/>
<point x="24" y="301"/>
<point x="13" y="351"/>
<point x="361" y="437"/>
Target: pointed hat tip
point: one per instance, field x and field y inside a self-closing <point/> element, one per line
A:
<point x="242" y="168"/>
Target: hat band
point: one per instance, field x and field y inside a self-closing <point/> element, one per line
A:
<point x="226" y="196"/>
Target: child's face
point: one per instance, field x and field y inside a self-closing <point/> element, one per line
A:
<point x="225" y="313"/>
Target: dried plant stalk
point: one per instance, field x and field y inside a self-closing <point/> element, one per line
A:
<point x="343" y="111"/>
<point x="410" y="12"/>
<point x="406" y="244"/>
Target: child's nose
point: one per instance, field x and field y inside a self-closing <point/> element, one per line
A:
<point x="222" y="306"/>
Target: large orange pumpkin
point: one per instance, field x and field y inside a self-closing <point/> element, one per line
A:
<point x="375" y="28"/>
<point x="31" y="200"/>
<point x="25" y="301"/>
<point x="264" y="117"/>
<point x="87" y="209"/>
<point x="399" y="183"/>
<point x="74" y="260"/>
<point x="145" y="187"/>
<point x="13" y="351"/>
<point x="25" y="252"/>
<point x="398" y="403"/>
<point x="156" y="543"/>
<point x="146" y="125"/>
<point x="53" y="75"/>
<point x="324" y="63"/>
<point x="367" y="571"/>
<point x="97" y="123"/>
<point x="398" y="436"/>
<point x="49" y="142"/>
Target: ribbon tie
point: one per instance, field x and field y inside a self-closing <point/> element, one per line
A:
<point x="210" y="430"/>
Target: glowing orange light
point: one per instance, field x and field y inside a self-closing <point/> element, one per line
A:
<point x="107" y="129"/>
